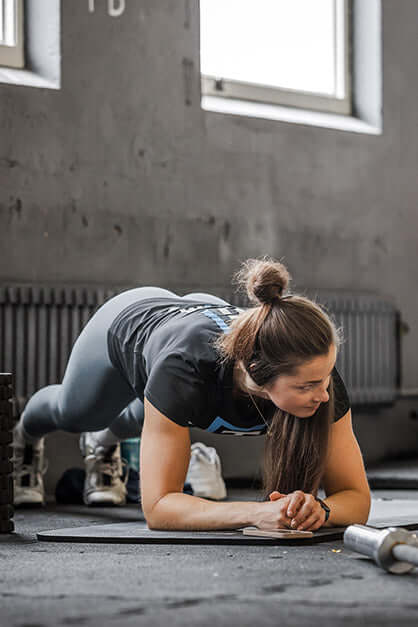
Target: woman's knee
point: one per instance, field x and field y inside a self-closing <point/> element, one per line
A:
<point x="70" y="422"/>
<point x="74" y="419"/>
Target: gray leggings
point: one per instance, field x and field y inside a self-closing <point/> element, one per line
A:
<point x="93" y="394"/>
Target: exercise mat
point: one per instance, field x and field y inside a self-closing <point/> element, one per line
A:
<point x="395" y="475"/>
<point x="138" y="533"/>
<point x="384" y="513"/>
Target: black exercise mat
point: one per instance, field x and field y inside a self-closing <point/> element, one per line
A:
<point x="395" y="475"/>
<point x="384" y="513"/>
<point x="138" y="533"/>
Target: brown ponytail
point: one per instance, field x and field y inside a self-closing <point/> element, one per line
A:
<point x="275" y="337"/>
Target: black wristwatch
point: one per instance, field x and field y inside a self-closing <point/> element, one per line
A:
<point x="324" y="507"/>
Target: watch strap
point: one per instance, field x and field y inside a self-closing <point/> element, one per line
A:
<point x="325" y="507"/>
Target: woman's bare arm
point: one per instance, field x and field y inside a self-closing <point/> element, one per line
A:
<point x="165" y="456"/>
<point x="345" y="482"/>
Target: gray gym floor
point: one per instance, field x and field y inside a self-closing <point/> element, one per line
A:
<point x="47" y="584"/>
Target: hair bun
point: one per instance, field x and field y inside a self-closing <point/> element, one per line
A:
<point x="263" y="279"/>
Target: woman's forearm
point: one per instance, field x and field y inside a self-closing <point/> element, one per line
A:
<point x="347" y="507"/>
<point x="177" y="511"/>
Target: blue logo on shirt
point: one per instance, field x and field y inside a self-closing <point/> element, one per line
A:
<point x="222" y="316"/>
<point x="219" y="425"/>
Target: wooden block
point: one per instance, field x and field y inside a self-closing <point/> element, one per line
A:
<point x="288" y="534"/>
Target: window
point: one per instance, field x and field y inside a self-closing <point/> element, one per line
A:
<point x="294" y="53"/>
<point x="35" y="59"/>
<point x="11" y="33"/>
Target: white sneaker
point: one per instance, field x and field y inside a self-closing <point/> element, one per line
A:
<point x="103" y="484"/>
<point x="28" y="470"/>
<point x="204" y="474"/>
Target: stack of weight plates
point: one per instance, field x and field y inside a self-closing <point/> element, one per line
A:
<point x="6" y="452"/>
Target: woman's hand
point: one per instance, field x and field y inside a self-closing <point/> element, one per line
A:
<point x="273" y="514"/>
<point x="304" y="511"/>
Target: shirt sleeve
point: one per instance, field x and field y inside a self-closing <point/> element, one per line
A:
<point x="177" y="390"/>
<point x="342" y="401"/>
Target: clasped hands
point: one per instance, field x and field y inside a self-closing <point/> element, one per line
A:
<point x="297" y="510"/>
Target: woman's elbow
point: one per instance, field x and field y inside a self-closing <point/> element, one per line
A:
<point x="154" y="522"/>
<point x="154" y="525"/>
<point x="158" y="514"/>
<point x="364" y="508"/>
<point x="150" y="512"/>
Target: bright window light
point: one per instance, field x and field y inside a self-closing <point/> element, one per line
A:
<point x="11" y="33"/>
<point x="8" y="22"/>
<point x="286" y="44"/>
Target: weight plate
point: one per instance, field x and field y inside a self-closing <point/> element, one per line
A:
<point x="6" y="392"/>
<point x="6" y="452"/>
<point x="6" y="512"/>
<point x="6" y="499"/>
<point x="6" y="378"/>
<point x="6" y="467"/>
<point x="6" y="408"/>
<point x="6" y="437"/>
<point x="6" y="422"/>
<point x="7" y="526"/>
<point x="6" y="483"/>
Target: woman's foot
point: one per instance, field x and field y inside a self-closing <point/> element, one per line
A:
<point x="103" y="484"/>
<point x="29" y="467"/>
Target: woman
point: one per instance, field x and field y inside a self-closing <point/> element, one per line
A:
<point x="154" y="363"/>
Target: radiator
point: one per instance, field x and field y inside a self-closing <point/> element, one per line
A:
<point x="369" y="359"/>
<point x="39" y="324"/>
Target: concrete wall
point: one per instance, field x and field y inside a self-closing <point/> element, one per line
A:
<point x="120" y="177"/>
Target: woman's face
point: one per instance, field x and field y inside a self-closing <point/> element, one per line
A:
<point x="302" y="393"/>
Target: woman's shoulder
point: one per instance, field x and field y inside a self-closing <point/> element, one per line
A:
<point x="341" y="396"/>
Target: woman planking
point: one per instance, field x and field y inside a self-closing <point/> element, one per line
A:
<point x="152" y="363"/>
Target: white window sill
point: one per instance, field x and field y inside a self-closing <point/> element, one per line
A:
<point x="288" y="114"/>
<point x="26" y="78"/>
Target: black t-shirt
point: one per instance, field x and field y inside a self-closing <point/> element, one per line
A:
<point x="163" y="348"/>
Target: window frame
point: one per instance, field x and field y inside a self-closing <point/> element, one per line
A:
<point x="14" y="56"/>
<point x="218" y="87"/>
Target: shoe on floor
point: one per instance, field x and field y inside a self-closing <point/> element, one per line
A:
<point x="103" y="484"/>
<point x="204" y="474"/>
<point x="29" y="467"/>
